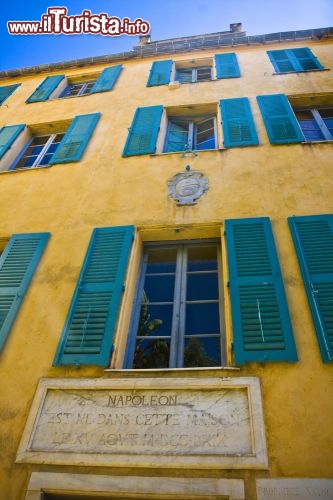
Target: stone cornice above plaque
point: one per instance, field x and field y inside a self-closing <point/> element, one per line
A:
<point x="187" y="187"/>
<point x="168" y="423"/>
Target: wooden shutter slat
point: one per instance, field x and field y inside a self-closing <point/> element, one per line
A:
<point x="237" y="122"/>
<point x="106" y="79"/>
<point x="313" y="241"/>
<point x="89" y="329"/>
<point x="261" y="324"/>
<point x="281" y="124"/>
<point x="160" y="73"/>
<point x="17" y="266"/>
<point x="143" y="132"/>
<point x="45" y="89"/>
<point x="75" y="140"/>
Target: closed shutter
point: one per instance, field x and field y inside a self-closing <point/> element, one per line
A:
<point x="74" y="142"/>
<point x="260" y="317"/>
<point x="305" y="59"/>
<point x="142" y="135"/>
<point x="106" y="79"/>
<point x="6" y="91"/>
<point x="88" y="334"/>
<point x="293" y="60"/>
<point x="281" y="124"/>
<point x="45" y="89"/>
<point x="237" y="122"/>
<point x="7" y="137"/>
<point x="281" y="61"/>
<point x="17" y="266"/>
<point x="313" y="240"/>
<point x="160" y="73"/>
<point x="227" y="65"/>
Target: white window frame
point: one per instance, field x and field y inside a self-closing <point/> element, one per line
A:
<point x="36" y="163"/>
<point x="177" y="334"/>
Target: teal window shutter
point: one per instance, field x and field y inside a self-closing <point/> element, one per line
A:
<point x="8" y="135"/>
<point x="45" y="89"/>
<point x="17" y="266"/>
<point x="142" y="135"/>
<point x="294" y="60"/>
<point x="260" y="317"/>
<point x="227" y="66"/>
<point x="306" y="60"/>
<point x="160" y="73"/>
<point x="106" y="79"/>
<point x="237" y="122"/>
<point x="313" y="241"/>
<point x="6" y="91"/>
<point x="75" y="140"/>
<point x="280" y="60"/>
<point x="281" y="124"/>
<point x="88" y="333"/>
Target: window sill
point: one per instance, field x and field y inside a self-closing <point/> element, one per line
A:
<point x="309" y="143"/>
<point x="188" y="153"/>
<point x="25" y="169"/>
<point x="170" y="371"/>
<point x="304" y="71"/>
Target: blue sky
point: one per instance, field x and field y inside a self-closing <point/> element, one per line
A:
<point x="168" y="19"/>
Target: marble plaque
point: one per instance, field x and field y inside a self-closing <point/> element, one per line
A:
<point x="294" y="489"/>
<point x="149" y="422"/>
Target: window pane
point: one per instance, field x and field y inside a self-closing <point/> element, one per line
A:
<point x="202" y="286"/>
<point x="205" y="134"/>
<point x="202" y="352"/>
<point x="160" y="288"/>
<point x="204" y="73"/>
<point x="161" y="260"/>
<point x="177" y="138"/>
<point x="155" y="320"/>
<point x="202" y="318"/>
<point x="327" y="116"/>
<point x="309" y="126"/>
<point x="201" y="258"/>
<point x="151" y="353"/>
<point x="184" y="75"/>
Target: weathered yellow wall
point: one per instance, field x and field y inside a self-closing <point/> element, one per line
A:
<point x="104" y="189"/>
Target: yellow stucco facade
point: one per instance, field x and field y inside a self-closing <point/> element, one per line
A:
<point x="105" y="189"/>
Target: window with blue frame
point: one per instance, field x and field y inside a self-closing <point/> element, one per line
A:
<point x="177" y="320"/>
<point x="38" y="151"/>
<point x="316" y="124"/>
<point x="26" y="147"/>
<point x="77" y="89"/>
<point x="190" y="133"/>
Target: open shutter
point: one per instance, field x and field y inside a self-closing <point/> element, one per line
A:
<point x="7" y="137"/>
<point x="260" y="317"/>
<point x="142" y="135"/>
<point x="17" y="266"/>
<point x="88" y="334"/>
<point x="313" y="240"/>
<point x="75" y="140"/>
<point x="160" y="73"/>
<point x="6" y="91"/>
<point x="45" y="89"/>
<point x="281" y="124"/>
<point x="227" y="65"/>
<point x="106" y="79"/>
<point x="237" y="122"/>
